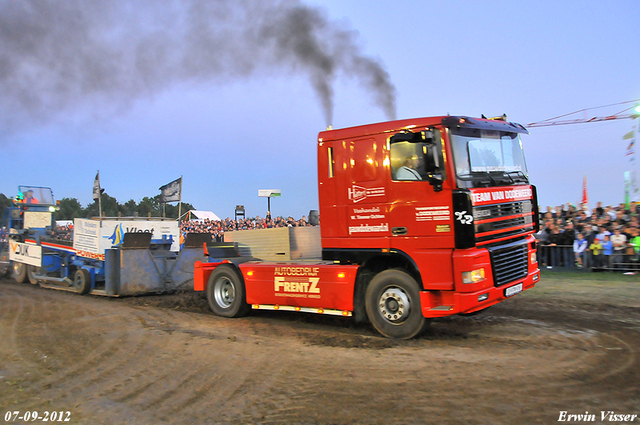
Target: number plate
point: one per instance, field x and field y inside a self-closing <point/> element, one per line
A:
<point x="512" y="290"/>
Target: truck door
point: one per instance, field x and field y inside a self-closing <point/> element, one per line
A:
<point x="366" y="194"/>
<point x="421" y="212"/>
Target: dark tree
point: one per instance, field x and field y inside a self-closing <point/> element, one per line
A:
<point x="70" y="208"/>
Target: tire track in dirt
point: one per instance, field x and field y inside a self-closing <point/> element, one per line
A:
<point x="26" y="308"/>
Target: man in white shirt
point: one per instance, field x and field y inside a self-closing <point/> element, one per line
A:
<point x="619" y="242"/>
<point x="408" y="170"/>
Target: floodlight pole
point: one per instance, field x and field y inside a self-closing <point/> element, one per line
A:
<point x="268" y="193"/>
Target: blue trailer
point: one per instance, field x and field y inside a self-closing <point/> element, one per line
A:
<point x="104" y="256"/>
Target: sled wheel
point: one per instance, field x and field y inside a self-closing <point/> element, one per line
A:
<point x="82" y="281"/>
<point x="31" y="274"/>
<point x="393" y="305"/>
<point x="19" y="271"/>
<point x="226" y="292"/>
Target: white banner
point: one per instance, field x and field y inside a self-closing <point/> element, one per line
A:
<point x="25" y="253"/>
<point x="37" y="219"/>
<point x="92" y="237"/>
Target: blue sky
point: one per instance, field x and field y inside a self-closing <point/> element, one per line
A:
<point x="229" y="135"/>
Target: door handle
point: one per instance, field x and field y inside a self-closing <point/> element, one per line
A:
<point x="399" y="230"/>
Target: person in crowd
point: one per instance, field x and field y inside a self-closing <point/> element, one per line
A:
<point x="608" y="211"/>
<point x="543" y="237"/>
<point x="581" y="220"/>
<point x="621" y="218"/>
<point x="619" y="242"/>
<point x="567" y="238"/>
<point x="579" y="247"/>
<point x="607" y="250"/>
<point x="595" y="248"/>
<point x="555" y="242"/>
<point x="634" y="244"/>
<point x="590" y="233"/>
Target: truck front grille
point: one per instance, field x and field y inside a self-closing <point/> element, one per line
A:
<point x="509" y="262"/>
<point x="503" y="220"/>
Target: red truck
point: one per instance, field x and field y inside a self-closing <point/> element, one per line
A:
<point x="421" y="218"/>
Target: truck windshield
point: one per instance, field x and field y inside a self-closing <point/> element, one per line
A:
<point x="35" y="195"/>
<point x="488" y="158"/>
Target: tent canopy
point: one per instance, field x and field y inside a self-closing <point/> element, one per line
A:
<point x="193" y="214"/>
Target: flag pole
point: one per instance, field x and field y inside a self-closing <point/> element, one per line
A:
<point x="97" y="190"/>
<point x="180" y="201"/>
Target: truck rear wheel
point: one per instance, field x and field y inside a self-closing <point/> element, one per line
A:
<point x="19" y="271"/>
<point x="393" y="305"/>
<point x="226" y="292"/>
<point x="82" y="281"/>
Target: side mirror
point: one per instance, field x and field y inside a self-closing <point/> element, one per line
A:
<point x="436" y="181"/>
<point x="432" y="161"/>
<point x="314" y="218"/>
<point x="431" y="158"/>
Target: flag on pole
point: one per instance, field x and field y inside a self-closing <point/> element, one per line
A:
<point x="627" y="187"/>
<point x="585" y="195"/>
<point x="96" y="187"/>
<point x="171" y="192"/>
<point x="97" y="191"/>
<point x="631" y="136"/>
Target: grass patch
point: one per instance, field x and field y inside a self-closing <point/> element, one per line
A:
<point x="597" y="288"/>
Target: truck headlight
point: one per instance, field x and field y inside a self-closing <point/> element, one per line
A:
<point x="474" y="276"/>
<point x="534" y="258"/>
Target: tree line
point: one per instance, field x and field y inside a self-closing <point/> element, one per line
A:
<point x="70" y="208"/>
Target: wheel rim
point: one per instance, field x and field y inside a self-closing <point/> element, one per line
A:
<point x="77" y="281"/>
<point x="224" y="292"/>
<point x="31" y="273"/>
<point x="394" y="305"/>
<point x="18" y="268"/>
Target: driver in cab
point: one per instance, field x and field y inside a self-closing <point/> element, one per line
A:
<point x="29" y="199"/>
<point x="408" y="171"/>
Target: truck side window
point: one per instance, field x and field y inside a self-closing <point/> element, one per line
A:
<point x="364" y="164"/>
<point x="407" y="161"/>
<point x="330" y="161"/>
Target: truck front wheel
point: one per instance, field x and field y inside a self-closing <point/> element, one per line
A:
<point x="226" y="292"/>
<point x="19" y="272"/>
<point x="393" y="305"/>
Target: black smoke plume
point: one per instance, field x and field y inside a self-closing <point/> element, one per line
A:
<point x="77" y="55"/>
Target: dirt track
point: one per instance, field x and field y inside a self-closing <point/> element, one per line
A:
<point x="150" y="360"/>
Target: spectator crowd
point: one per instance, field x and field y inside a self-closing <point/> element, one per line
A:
<point x="217" y="229"/>
<point x="601" y="238"/>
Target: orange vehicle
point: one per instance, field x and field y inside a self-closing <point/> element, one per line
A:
<point x="421" y="218"/>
